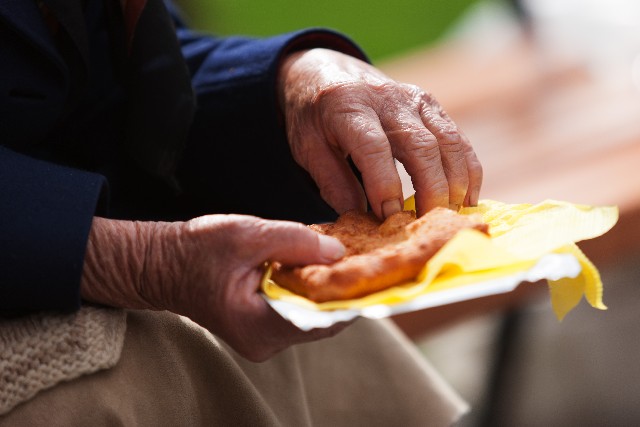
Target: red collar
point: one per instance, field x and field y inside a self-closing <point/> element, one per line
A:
<point x="132" y="9"/>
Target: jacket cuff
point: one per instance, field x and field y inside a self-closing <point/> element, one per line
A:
<point x="323" y="38"/>
<point x="45" y="219"/>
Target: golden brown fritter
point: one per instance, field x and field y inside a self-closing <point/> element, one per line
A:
<point x="379" y="255"/>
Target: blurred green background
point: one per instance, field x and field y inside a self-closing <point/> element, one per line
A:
<point x="381" y="28"/>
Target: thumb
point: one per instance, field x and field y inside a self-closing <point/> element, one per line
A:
<point x="291" y="243"/>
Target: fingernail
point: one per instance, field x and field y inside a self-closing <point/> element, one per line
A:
<point x="389" y="207"/>
<point x="330" y="248"/>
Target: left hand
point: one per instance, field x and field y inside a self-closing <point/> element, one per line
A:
<point x="337" y="106"/>
<point x="209" y="269"/>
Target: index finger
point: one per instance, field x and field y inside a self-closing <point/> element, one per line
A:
<point x="419" y="151"/>
<point x="360" y="135"/>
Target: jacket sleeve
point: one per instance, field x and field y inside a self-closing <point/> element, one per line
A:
<point x="45" y="220"/>
<point x="237" y="158"/>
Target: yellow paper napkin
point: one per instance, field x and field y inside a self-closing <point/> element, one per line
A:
<point x="521" y="235"/>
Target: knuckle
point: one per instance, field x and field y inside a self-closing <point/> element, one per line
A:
<point x="428" y="98"/>
<point x="450" y="133"/>
<point x="421" y="138"/>
<point x="367" y="140"/>
<point x="452" y="152"/>
<point x="386" y="87"/>
<point x="336" y="92"/>
<point x="392" y="97"/>
<point x="416" y="92"/>
<point x="446" y="130"/>
<point x="371" y="150"/>
<point x="424" y="149"/>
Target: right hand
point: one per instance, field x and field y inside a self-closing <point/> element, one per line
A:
<point x="338" y="107"/>
<point x="208" y="269"/>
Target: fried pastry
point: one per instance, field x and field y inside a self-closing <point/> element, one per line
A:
<point x="378" y="254"/>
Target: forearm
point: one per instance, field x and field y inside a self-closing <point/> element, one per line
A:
<point x="208" y="269"/>
<point x="122" y="260"/>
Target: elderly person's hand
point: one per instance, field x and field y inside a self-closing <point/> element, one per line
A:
<point x="337" y="106"/>
<point x="208" y="269"/>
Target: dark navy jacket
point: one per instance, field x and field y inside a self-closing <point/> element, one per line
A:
<point x="62" y="160"/>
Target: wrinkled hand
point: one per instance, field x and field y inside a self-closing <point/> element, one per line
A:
<point x="337" y="106"/>
<point x="208" y="269"/>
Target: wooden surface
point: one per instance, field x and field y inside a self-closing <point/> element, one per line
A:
<point x="543" y="128"/>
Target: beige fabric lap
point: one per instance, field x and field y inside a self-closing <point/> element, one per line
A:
<point x="171" y="372"/>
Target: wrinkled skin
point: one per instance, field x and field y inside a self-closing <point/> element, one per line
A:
<point x="209" y="268"/>
<point x="337" y="106"/>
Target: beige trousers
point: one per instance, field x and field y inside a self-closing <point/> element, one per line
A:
<point x="173" y="373"/>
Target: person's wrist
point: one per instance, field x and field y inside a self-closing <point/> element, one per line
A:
<point x="283" y="73"/>
<point x="158" y="284"/>
<point x="123" y="264"/>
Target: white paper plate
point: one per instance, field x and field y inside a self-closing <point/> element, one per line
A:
<point x="549" y="267"/>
